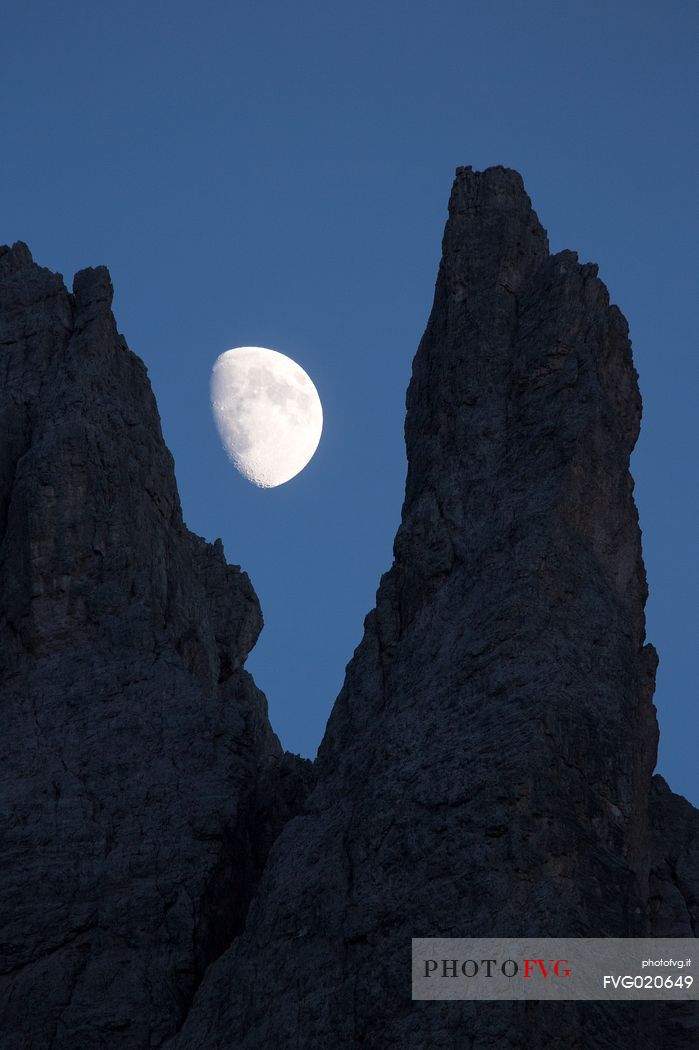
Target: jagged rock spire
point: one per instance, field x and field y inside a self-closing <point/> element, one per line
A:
<point x="137" y="765"/>
<point x="486" y="769"/>
<point x="487" y="766"/>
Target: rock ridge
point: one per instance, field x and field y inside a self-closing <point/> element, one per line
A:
<point x="486" y="769"/>
<point x="141" y="783"/>
<point x="170" y="877"/>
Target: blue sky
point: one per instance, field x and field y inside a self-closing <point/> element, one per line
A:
<point x="278" y="175"/>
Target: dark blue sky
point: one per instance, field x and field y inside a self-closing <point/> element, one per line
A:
<point x="277" y="174"/>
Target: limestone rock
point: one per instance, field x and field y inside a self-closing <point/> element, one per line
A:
<point x="486" y="769"/>
<point x="136" y="754"/>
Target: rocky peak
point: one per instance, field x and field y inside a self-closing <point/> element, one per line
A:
<point x="140" y="780"/>
<point x="486" y="769"/>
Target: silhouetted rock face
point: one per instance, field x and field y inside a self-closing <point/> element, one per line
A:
<point x="136" y="755"/>
<point x="486" y="769"/>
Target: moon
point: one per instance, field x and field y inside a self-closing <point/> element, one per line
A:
<point x="267" y="412"/>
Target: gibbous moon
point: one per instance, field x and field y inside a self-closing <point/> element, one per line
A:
<point x="267" y="412"/>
